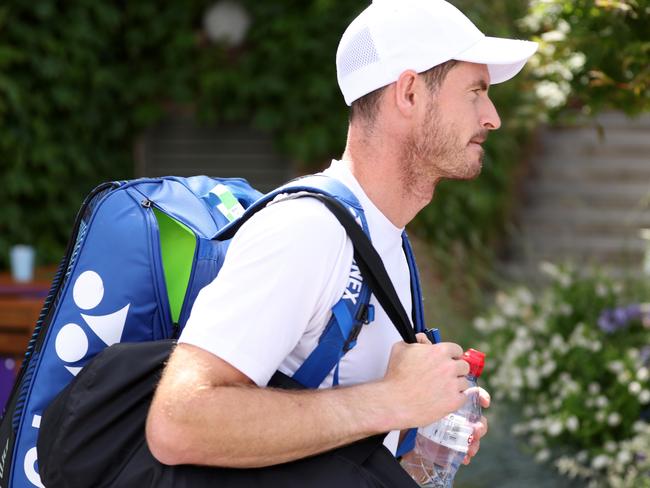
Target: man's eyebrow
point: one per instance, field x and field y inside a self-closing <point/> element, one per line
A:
<point x="481" y="83"/>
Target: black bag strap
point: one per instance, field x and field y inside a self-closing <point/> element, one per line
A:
<point x="372" y="268"/>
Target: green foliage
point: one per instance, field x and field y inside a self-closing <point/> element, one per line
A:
<point x="594" y="55"/>
<point x="283" y="79"/>
<point x="80" y="81"/>
<point x="574" y="357"/>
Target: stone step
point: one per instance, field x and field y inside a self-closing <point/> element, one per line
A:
<point x="586" y="220"/>
<point x="587" y="195"/>
<point x="588" y="141"/>
<point x="611" y="250"/>
<point x="596" y="194"/>
<point x="582" y="169"/>
<point x="618" y="120"/>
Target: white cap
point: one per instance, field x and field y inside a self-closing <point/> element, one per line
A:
<point x="392" y="36"/>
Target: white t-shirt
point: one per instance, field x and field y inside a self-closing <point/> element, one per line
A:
<point x="284" y="271"/>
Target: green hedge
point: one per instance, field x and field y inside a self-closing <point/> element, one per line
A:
<point x="81" y="80"/>
<point x="79" y="83"/>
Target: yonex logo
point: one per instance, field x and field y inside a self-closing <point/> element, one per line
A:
<point x="71" y="343"/>
<point x="355" y="280"/>
<point x="71" y="346"/>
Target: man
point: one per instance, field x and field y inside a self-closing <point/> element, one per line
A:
<point x="416" y="74"/>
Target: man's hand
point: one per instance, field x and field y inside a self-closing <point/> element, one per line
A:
<point x="426" y="381"/>
<point x="480" y="429"/>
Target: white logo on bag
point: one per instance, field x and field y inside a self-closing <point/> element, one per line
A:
<point x="71" y="342"/>
<point x="71" y="346"/>
<point x="355" y="280"/>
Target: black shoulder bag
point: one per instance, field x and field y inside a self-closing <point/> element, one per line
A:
<point x="93" y="433"/>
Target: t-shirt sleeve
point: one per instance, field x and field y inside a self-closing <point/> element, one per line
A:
<point x="284" y="267"/>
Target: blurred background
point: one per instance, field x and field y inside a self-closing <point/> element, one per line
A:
<point x="542" y="261"/>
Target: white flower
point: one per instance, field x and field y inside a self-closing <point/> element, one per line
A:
<point x="643" y="374"/>
<point x="575" y="63"/>
<point x="557" y="343"/>
<point x="600" y="416"/>
<point x="594" y="388"/>
<point x="543" y="456"/>
<point x="536" y="424"/>
<point x="624" y="457"/>
<point x="634" y="388"/>
<point x="510" y="308"/>
<point x="611" y="446"/>
<point x="602" y="401"/>
<point x="616" y="366"/>
<point x="532" y="377"/>
<point x="599" y="462"/>
<point x="624" y="377"/>
<point x="553" y="36"/>
<point x="537" y="440"/>
<point x="564" y="279"/>
<point x="554" y="428"/>
<point x="481" y="324"/>
<point x="544" y="408"/>
<point x="613" y="419"/>
<point x="548" y="368"/>
<point x="644" y="397"/>
<point x="572" y="423"/>
<point x="601" y="290"/>
<point x="549" y="268"/>
<point x="563" y="26"/>
<point x="525" y="296"/>
<point x="498" y="322"/>
<point x="519" y="429"/>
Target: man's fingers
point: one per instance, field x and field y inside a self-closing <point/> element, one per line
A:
<point x="462" y="368"/>
<point x="481" y="428"/>
<point x="484" y="397"/>
<point x="422" y="338"/>
<point x="471" y="452"/>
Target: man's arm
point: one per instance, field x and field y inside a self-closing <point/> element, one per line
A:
<point x="207" y="412"/>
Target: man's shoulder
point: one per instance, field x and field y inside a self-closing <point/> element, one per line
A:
<point x="296" y="217"/>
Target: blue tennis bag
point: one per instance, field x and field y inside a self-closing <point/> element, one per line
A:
<point x="140" y="252"/>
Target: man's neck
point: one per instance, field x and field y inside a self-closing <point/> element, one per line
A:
<point x="380" y="173"/>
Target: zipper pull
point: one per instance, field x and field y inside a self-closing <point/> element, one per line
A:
<point x="146" y="203"/>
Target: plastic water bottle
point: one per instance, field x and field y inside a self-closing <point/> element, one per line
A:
<point x="441" y="447"/>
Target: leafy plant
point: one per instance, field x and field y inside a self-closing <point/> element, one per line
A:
<point x="576" y="358"/>
<point x="593" y="54"/>
<point x="80" y="81"/>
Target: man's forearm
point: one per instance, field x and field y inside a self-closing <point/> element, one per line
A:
<point x="248" y="426"/>
<point x="207" y="412"/>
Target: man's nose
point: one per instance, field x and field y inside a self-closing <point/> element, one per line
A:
<point x="490" y="118"/>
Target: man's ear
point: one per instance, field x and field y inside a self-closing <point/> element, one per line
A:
<point x="406" y="92"/>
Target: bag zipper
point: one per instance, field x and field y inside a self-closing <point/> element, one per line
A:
<point x="162" y="293"/>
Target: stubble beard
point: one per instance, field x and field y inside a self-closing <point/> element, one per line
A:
<point x="436" y="152"/>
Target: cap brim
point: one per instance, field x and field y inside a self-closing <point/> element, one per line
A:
<point x="503" y="57"/>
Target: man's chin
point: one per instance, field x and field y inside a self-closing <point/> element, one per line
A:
<point x="471" y="170"/>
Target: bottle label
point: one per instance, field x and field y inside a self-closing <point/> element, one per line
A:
<point x="453" y="431"/>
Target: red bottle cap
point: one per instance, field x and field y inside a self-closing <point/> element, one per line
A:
<point x="476" y="361"/>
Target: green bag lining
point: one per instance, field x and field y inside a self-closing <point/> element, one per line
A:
<point x="177" y="247"/>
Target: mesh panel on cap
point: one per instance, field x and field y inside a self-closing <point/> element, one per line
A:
<point x="359" y="52"/>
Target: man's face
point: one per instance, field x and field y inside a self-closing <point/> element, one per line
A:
<point x="448" y="138"/>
